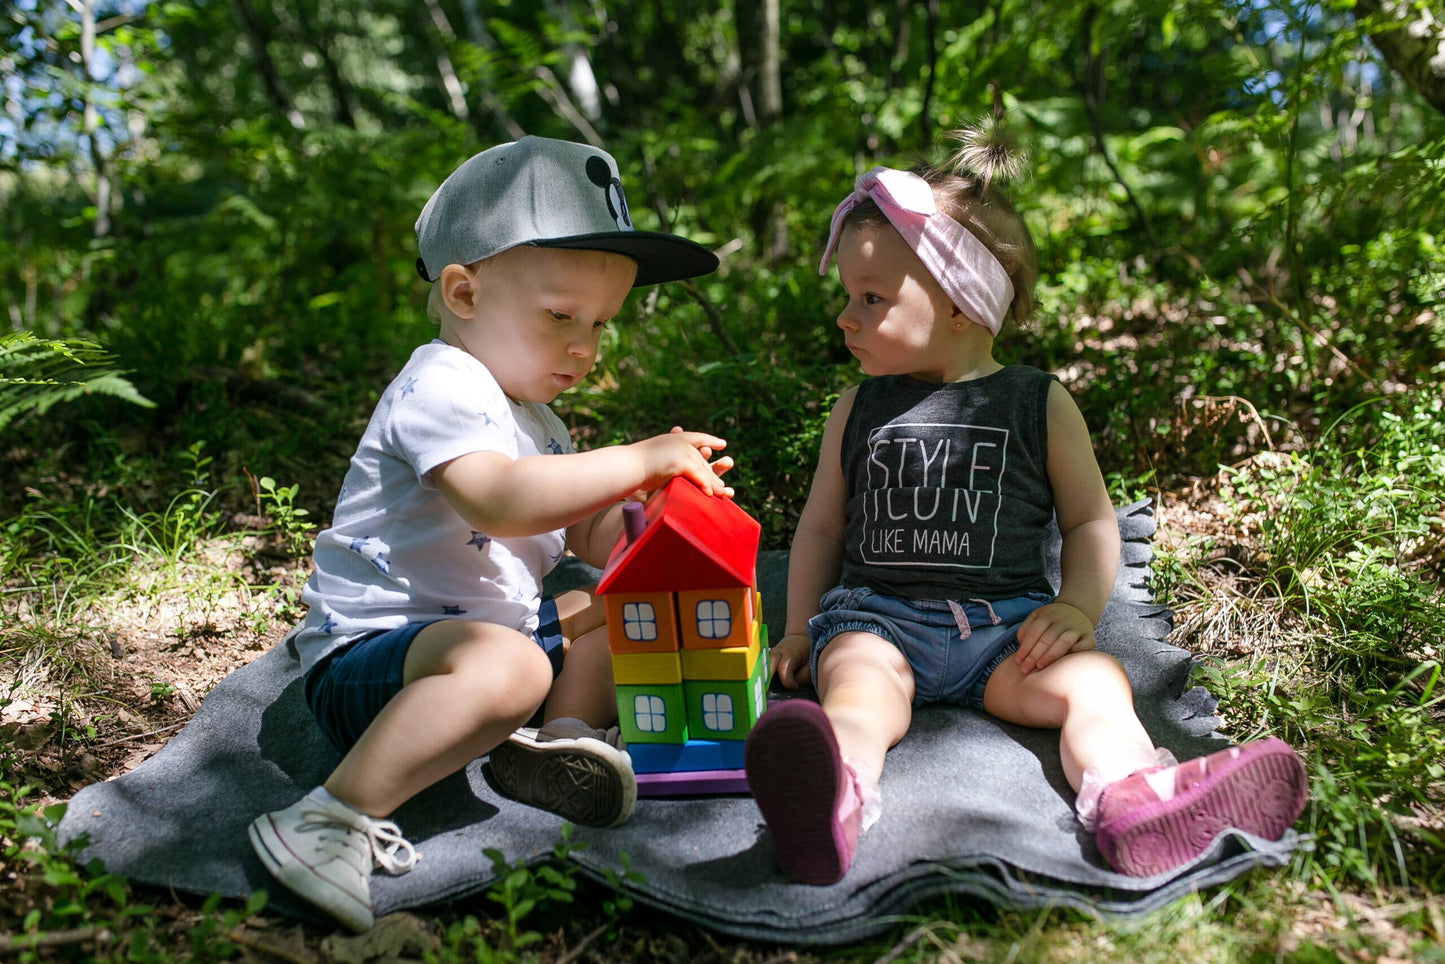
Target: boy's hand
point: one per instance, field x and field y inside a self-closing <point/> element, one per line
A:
<point x="684" y="453"/>
<point x="1050" y="632"/>
<point x="789" y="661"/>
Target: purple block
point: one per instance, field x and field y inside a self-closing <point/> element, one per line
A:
<point x="690" y="782"/>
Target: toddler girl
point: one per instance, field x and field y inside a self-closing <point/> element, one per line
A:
<point x="917" y="572"/>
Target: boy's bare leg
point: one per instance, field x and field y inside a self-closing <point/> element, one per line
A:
<point x="468" y="685"/>
<point x="583" y="690"/>
<point x="866" y="688"/>
<point x="1085" y="696"/>
<point x="579" y="612"/>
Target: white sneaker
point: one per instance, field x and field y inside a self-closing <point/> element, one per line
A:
<point x="324" y="851"/>
<point x="581" y="774"/>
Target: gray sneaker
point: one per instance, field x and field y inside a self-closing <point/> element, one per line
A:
<point x="583" y="775"/>
<point x="324" y="851"/>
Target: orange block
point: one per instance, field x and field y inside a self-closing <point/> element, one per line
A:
<point x="715" y="618"/>
<point x="641" y="622"/>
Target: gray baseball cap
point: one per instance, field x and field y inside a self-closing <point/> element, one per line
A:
<point x="546" y="193"/>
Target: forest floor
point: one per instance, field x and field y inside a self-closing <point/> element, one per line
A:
<point x="152" y="652"/>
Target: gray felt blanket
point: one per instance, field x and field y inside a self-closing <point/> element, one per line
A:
<point x="971" y="806"/>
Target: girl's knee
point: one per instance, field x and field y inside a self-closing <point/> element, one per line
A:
<point x="864" y="660"/>
<point x="1095" y="666"/>
<point x="1093" y="678"/>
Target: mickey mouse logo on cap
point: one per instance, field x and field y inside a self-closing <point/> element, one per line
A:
<point x="600" y="174"/>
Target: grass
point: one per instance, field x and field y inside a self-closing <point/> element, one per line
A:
<point x="1305" y="576"/>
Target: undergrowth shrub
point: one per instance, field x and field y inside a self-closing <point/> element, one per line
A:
<point x="1349" y="539"/>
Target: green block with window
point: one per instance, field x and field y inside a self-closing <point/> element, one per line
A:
<point x="723" y="709"/>
<point x="654" y="713"/>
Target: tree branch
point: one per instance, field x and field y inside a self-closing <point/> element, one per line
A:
<point x="1088" y="89"/>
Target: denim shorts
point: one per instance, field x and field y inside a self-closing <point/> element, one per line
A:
<point x="949" y="666"/>
<point x="349" y="687"/>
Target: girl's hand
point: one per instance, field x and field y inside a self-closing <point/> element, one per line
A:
<point x="789" y="661"/>
<point x="1050" y="632"/>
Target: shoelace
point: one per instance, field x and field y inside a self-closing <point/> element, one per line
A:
<point x="391" y="851"/>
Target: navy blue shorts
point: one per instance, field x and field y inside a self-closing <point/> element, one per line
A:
<point x="349" y="687"/>
<point x="948" y="665"/>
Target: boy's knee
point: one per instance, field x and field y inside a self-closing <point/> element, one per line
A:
<point x="525" y="671"/>
<point x="502" y="666"/>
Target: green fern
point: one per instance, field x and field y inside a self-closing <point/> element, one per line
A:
<point x="37" y="373"/>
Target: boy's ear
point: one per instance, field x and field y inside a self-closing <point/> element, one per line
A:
<point x="459" y="291"/>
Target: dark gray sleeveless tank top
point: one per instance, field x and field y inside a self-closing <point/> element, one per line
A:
<point x="948" y="493"/>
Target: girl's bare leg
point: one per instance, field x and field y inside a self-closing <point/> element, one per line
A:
<point x="866" y="688"/>
<point x="1085" y="696"/>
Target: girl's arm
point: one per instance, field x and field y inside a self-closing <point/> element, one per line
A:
<point x="506" y="497"/>
<point x="1089" y="558"/>
<point x="816" y="558"/>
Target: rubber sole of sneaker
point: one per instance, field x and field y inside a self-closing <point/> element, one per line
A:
<point x="796" y="776"/>
<point x="1261" y="792"/>
<point x="585" y="781"/>
<point x="301" y="880"/>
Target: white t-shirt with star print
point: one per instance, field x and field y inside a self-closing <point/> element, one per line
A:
<point x="396" y="552"/>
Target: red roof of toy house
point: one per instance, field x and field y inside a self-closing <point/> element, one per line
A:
<point x="691" y="541"/>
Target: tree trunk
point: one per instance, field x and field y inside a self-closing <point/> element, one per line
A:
<point x="925" y="122"/>
<point x="319" y="36"/>
<point x="770" y="115"/>
<point x="770" y="82"/>
<point x="506" y="126"/>
<point x="1413" y="42"/>
<point x="91" y="117"/>
<point x="1092" y="90"/>
<point x="275" y="89"/>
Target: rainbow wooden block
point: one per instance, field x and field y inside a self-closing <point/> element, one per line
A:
<point x="644" y="668"/>
<point x="690" y="783"/>
<point x="726" y="709"/>
<point x="689" y="757"/>
<point x="652" y="713"/>
<point x="684" y="625"/>
<point x="726" y="662"/>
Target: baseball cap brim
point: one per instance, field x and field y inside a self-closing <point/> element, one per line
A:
<point x="659" y="257"/>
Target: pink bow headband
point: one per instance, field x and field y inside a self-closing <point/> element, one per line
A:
<point x="962" y="265"/>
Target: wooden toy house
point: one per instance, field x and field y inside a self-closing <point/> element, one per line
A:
<point x="689" y="650"/>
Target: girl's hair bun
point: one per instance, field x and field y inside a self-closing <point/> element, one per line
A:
<point x="986" y="150"/>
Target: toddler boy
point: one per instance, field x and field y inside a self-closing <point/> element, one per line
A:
<point x="427" y="643"/>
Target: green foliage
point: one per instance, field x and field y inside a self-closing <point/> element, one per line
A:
<point x="1235" y="209"/>
<point x="69" y="895"/>
<point x="291" y="526"/>
<point x="38" y="373"/>
<point x="521" y="891"/>
<point x="210" y="939"/>
<point x="1339" y="531"/>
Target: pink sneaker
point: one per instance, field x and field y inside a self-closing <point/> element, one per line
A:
<point x="1162" y="817"/>
<point x="809" y="799"/>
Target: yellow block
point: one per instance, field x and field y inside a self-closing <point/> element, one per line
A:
<point x="643" y="668"/>
<point x="730" y="662"/>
